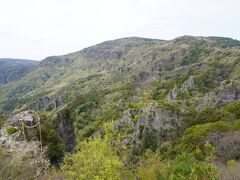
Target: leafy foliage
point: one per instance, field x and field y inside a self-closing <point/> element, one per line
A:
<point x="51" y="139"/>
<point x="95" y="159"/>
<point x="183" y="166"/>
<point x="11" y="130"/>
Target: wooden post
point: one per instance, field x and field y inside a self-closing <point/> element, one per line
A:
<point x="40" y="133"/>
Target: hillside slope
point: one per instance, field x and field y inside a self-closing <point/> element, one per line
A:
<point x="155" y="108"/>
<point x="15" y="69"/>
<point x="117" y="61"/>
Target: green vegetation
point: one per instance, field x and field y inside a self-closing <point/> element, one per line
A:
<point x="2" y="120"/>
<point x="13" y="168"/>
<point x="210" y="79"/>
<point x="232" y="110"/>
<point x="95" y="159"/>
<point x="183" y="166"/>
<point x="51" y="139"/>
<point x="115" y="84"/>
<point x="198" y="134"/>
<point x="136" y="117"/>
<point x="11" y="130"/>
<point x="207" y="115"/>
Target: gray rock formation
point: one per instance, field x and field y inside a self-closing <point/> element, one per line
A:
<point x="65" y="128"/>
<point x="229" y="91"/>
<point x="210" y="100"/>
<point x="47" y="103"/>
<point x="154" y="126"/>
<point x="20" y="149"/>
<point x="29" y="118"/>
<point x="173" y="93"/>
<point x="227" y="145"/>
<point x="188" y="84"/>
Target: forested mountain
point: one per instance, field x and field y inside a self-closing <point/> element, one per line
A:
<point x="136" y="108"/>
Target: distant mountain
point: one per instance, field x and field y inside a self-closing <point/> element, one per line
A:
<point x="15" y="69"/>
<point x="117" y="61"/>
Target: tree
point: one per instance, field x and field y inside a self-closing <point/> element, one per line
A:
<point x="95" y="159"/>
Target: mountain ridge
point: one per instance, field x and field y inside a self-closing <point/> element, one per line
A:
<point x="15" y="69"/>
<point x="158" y="109"/>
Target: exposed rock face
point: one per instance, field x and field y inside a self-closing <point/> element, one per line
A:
<point x="188" y="84"/>
<point x="46" y="103"/>
<point x="210" y="100"/>
<point x="229" y="91"/>
<point x="21" y="149"/>
<point x="173" y="93"/>
<point x="29" y="118"/>
<point x="154" y="126"/>
<point x="227" y="145"/>
<point x="65" y="128"/>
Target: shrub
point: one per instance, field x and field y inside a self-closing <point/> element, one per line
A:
<point x="233" y="109"/>
<point x="184" y="166"/>
<point x="11" y="130"/>
<point x="95" y="159"/>
<point x="136" y="117"/>
<point x="51" y="139"/>
<point x="196" y="135"/>
<point x="206" y="116"/>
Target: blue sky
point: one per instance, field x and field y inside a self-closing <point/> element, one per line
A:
<point x="35" y="29"/>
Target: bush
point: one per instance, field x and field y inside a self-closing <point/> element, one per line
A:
<point x="196" y="135"/>
<point x="136" y="117"/>
<point x="95" y="159"/>
<point x="233" y="109"/>
<point x="11" y="130"/>
<point x="184" y="166"/>
<point x="51" y="139"/>
<point x="206" y="116"/>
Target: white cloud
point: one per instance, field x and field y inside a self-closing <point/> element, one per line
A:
<point x="38" y="28"/>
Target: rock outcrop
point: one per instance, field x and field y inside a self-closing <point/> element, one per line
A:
<point x="153" y="126"/>
<point x="65" y="128"/>
<point x="227" y="145"/>
<point x="185" y="87"/>
<point x="229" y="91"/>
<point x="22" y="150"/>
<point x="46" y="103"/>
<point x="188" y="84"/>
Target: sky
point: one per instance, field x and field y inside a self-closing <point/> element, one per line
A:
<point x="35" y="29"/>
